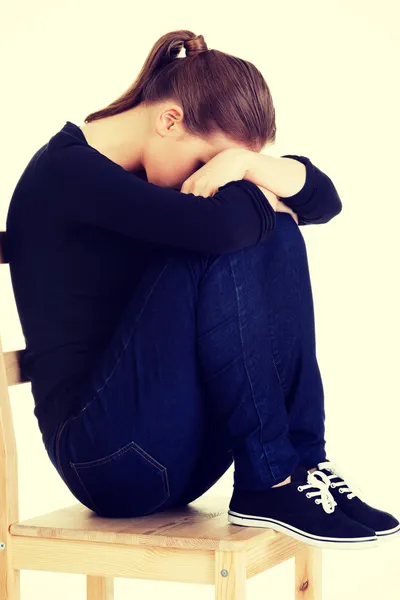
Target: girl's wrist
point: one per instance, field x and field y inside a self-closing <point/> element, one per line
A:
<point x="284" y="177"/>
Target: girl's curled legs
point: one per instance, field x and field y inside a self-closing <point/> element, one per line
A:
<point x="212" y="360"/>
<point x="256" y="341"/>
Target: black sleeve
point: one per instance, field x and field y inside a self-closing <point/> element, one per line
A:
<point x="318" y="200"/>
<point x="88" y="187"/>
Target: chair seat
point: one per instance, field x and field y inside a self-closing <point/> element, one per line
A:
<point x="203" y="524"/>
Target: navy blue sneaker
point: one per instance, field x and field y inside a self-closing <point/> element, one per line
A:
<point x="303" y="509"/>
<point x="349" y="500"/>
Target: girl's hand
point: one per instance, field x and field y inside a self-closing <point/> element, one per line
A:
<point x="228" y="165"/>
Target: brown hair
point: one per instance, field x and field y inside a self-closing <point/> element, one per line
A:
<point x="218" y="92"/>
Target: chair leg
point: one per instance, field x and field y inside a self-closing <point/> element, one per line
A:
<point x="230" y="575"/>
<point x="9" y="578"/>
<point x="100" y="588"/>
<point x="308" y="573"/>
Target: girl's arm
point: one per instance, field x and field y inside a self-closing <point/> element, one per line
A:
<point x="298" y="183"/>
<point x="82" y="185"/>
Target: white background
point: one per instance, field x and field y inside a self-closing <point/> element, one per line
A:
<point x="332" y="69"/>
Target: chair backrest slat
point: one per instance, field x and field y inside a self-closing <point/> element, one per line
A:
<point x="10" y="374"/>
<point x="3" y="257"/>
<point x="12" y="365"/>
<point x="11" y="359"/>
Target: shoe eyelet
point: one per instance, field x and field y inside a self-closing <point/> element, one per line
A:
<point x="300" y="489"/>
<point x="340" y="491"/>
<point x="333" y="485"/>
<point x="308" y="495"/>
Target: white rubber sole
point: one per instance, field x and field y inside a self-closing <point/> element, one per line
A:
<point x="389" y="534"/>
<point x="308" y="538"/>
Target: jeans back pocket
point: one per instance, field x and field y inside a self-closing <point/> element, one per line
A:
<point x="127" y="483"/>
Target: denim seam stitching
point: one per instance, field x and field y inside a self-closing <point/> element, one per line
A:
<point x="279" y="378"/>
<point x="245" y="363"/>
<point x="163" y="471"/>
<point x="104" y="460"/>
<point x="57" y="450"/>
<point x="158" y="505"/>
<point x="84" y="488"/>
<point x="109" y="457"/>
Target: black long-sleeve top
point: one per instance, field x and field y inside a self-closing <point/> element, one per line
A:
<point x="80" y="232"/>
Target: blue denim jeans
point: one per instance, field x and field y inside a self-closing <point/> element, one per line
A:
<point x="213" y="362"/>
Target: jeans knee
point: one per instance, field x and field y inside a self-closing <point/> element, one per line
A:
<point x="287" y="230"/>
<point x="281" y="244"/>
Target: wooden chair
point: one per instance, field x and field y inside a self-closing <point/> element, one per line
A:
<point x="196" y="544"/>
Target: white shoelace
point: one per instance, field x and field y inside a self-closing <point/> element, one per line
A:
<point x="344" y="484"/>
<point x="327" y="500"/>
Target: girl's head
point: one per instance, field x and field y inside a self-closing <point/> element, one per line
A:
<point x="194" y="107"/>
